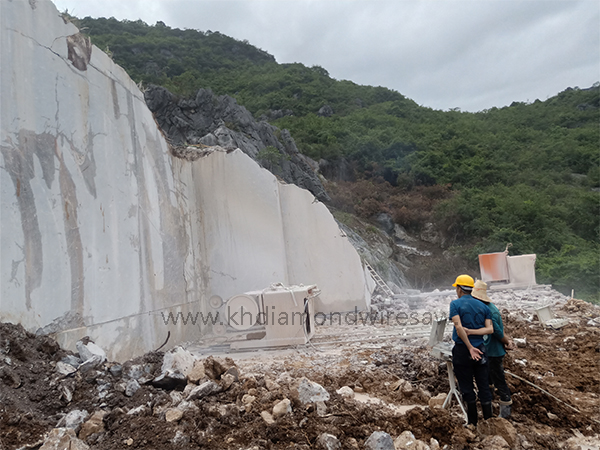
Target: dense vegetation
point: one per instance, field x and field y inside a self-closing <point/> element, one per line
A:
<point x="527" y="174"/>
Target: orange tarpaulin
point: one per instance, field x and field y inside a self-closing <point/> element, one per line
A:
<point x="493" y="267"/>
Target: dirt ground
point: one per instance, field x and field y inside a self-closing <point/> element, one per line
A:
<point x="371" y="359"/>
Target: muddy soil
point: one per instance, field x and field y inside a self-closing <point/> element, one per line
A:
<point x="35" y="396"/>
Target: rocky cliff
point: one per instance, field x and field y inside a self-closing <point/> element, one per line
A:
<point x="208" y="119"/>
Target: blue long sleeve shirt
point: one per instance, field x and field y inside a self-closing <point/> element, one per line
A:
<point x="472" y="313"/>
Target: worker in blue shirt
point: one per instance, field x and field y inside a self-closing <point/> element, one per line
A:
<point x="495" y="347"/>
<point x="468" y="354"/>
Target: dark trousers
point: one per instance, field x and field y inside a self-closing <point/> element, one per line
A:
<point x="497" y="377"/>
<point x="466" y="369"/>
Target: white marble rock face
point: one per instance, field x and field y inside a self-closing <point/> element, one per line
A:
<point x="100" y="225"/>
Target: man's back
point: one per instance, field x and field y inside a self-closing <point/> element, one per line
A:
<point x="472" y="313"/>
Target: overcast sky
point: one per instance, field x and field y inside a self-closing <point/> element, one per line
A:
<point x="467" y="54"/>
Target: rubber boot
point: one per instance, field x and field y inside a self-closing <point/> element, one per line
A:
<point x="505" y="411"/>
<point x="487" y="410"/>
<point x="472" y="413"/>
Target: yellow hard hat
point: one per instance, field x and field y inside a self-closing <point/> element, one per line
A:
<point x="464" y="280"/>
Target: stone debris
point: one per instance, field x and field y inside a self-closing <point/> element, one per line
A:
<point x="61" y="439"/>
<point x="328" y="441"/>
<point x="137" y="410"/>
<point x="180" y="438"/>
<point x="197" y="372"/>
<point x="282" y="408"/>
<point x="383" y="378"/>
<point x="227" y="379"/>
<point x="434" y="444"/>
<point x="131" y="388"/>
<point x="379" y="440"/>
<point x="90" y="350"/>
<point x="346" y="392"/>
<point x="65" y="369"/>
<point x="170" y="379"/>
<point x="438" y="400"/>
<point x="93" y="425"/>
<point x="91" y="354"/>
<point x="204" y="390"/>
<point x="178" y="360"/>
<point x="495" y="443"/>
<point x="408" y="441"/>
<point x="71" y="360"/>
<point x="267" y="417"/>
<point x="73" y="419"/>
<point x="215" y="367"/>
<point x="116" y="370"/>
<point x="137" y="371"/>
<point x="272" y="385"/>
<point x="520" y="342"/>
<point x="402" y="385"/>
<point x="321" y="409"/>
<point x="173" y="415"/>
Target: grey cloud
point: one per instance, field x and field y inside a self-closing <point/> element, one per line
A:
<point x="443" y="54"/>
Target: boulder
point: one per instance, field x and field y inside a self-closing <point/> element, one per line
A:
<point x="311" y="392"/>
<point x="325" y="111"/>
<point x="379" y="440"/>
<point x="500" y="427"/>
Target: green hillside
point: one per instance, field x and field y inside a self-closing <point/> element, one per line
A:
<point x="527" y="174"/>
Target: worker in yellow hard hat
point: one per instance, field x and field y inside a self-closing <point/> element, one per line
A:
<point x="496" y="345"/>
<point x="468" y="354"/>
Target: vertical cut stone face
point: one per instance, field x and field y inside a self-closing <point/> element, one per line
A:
<point x="98" y="222"/>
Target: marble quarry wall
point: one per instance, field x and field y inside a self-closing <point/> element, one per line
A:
<point x="104" y="232"/>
